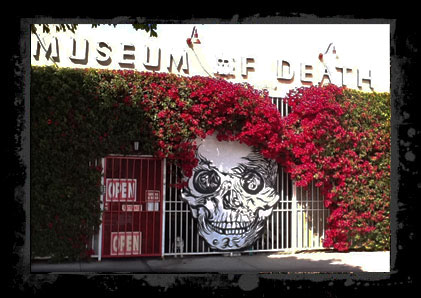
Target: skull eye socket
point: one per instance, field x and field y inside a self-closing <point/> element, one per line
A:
<point x="206" y="181"/>
<point x="252" y="182"/>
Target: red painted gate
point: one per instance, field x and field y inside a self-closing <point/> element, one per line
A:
<point x="132" y="217"/>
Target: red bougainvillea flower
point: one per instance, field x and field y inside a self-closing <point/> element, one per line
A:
<point x="332" y="139"/>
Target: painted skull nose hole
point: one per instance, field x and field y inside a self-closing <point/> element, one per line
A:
<point x="226" y="199"/>
<point x="231" y="200"/>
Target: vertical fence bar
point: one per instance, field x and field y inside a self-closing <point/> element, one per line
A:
<point x="282" y="109"/>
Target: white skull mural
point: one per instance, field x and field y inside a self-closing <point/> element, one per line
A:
<point x="230" y="193"/>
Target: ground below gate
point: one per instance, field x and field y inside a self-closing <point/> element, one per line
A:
<point x="270" y="262"/>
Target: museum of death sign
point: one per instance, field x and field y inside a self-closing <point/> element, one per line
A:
<point x="80" y="52"/>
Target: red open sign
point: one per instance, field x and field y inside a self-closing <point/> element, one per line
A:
<point x="118" y="190"/>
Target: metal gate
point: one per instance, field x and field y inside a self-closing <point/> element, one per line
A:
<point x="132" y="207"/>
<point x="179" y="222"/>
<point x="296" y="223"/>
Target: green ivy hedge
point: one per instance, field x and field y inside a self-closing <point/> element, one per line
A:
<point x="73" y="122"/>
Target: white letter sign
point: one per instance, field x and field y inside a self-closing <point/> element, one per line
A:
<point x="120" y="190"/>
<point x="126" y="243"/>
<point x="181" y="63"/>
<point x="284" y="71"/>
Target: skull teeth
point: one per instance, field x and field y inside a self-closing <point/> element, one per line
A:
<point x="230" y="228"/>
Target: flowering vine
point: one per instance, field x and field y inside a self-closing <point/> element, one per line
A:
<point x="340" y="139"/>
<point x="182" y="109"/>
